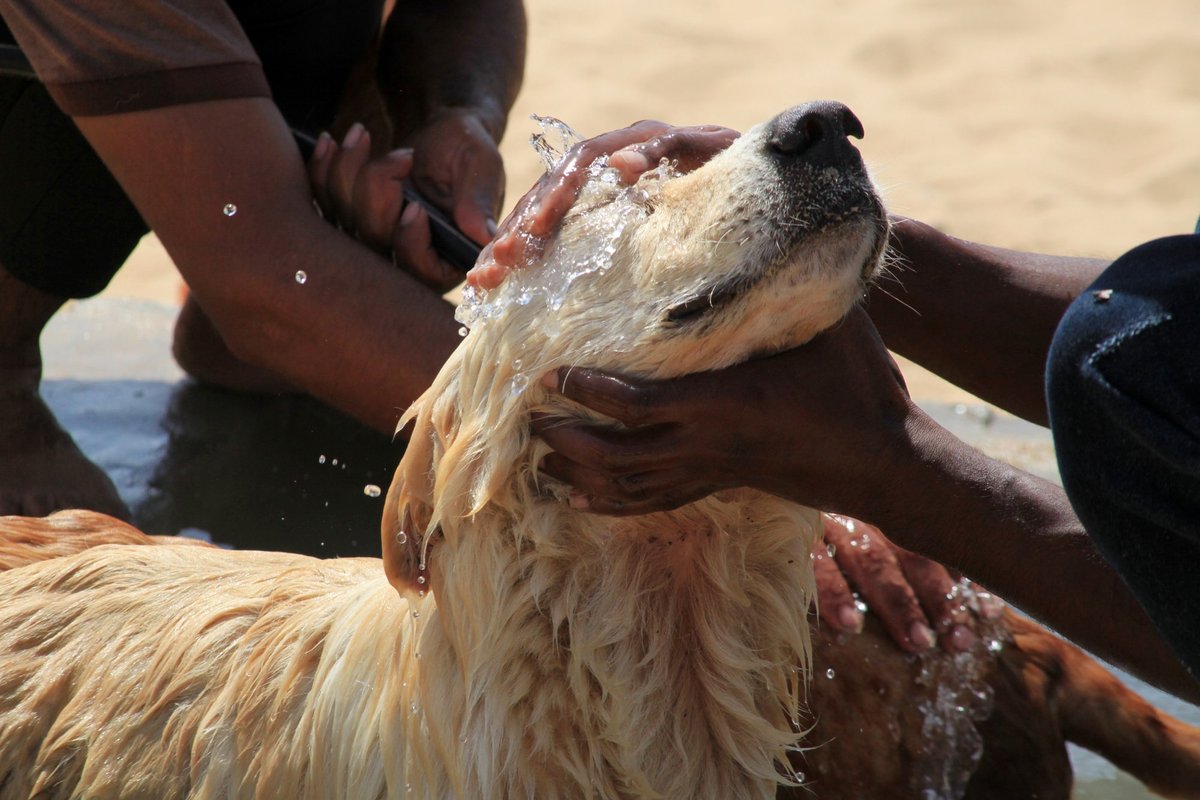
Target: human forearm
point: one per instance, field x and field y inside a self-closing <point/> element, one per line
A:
<point x="1017" y="535"/>
<point x="981" y="317"/>
<point x="223" y="186"/>
<point x="453" y="54"/>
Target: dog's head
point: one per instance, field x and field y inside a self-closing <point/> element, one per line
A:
<point x="766" y="245"/>
<point x="668" y="649"/>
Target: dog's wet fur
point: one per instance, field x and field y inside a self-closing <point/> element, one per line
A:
<point x="526" y="649"/>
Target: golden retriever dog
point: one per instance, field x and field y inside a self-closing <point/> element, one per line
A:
<point x="513" y="647"/>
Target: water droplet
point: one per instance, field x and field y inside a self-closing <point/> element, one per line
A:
<point x="321" y="460"/>
<point x="301" y="276"/>
<point x="371" y="490"/>
<point x="229" y="210"/>
<point x="462" y="331"/>
<point x="421" y="579"/>
<point x="418" y="654"/>
<point x="401" y="537"/>
<point x="829" y="673"/>
<point x="799" y="776"/>
<point x="334" y="462"/>
<point x="860" y="606"/>
<point x="416" y="614"/>
<point x="421" y="593"/>
<point x="831" y="549"/>
<point x="995" y="646"/>
<point x="413" y="705"/>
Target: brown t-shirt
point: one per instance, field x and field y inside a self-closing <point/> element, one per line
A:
<point x="110" y="56"/>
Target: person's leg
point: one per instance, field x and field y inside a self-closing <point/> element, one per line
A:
<point x="202" y="353"/>
<point x="41" y="468"/>
<point x="65" y="228"/>
<point x="1123" y="387"/>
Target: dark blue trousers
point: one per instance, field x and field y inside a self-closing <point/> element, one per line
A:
<point x="1123" y="387"/>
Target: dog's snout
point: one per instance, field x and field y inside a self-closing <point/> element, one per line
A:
<point x="815" y="133"/>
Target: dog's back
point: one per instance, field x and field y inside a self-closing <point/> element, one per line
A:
<point x="185" y="671"/>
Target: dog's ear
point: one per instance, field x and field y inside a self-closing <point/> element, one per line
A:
<point x="408" y="511"/>
<point x="467" y="455"/>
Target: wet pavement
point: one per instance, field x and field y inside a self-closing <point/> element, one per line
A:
<point x="254" y="472"/>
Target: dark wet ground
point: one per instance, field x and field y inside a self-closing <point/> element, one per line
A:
<point x="249" y="471"/>
<point x="286" y="473"/>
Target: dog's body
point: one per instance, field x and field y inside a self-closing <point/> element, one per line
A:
<point x="534" y="650"/>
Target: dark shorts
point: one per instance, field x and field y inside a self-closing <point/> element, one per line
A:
<point x="66" y="227"/>
<point x="1123" y="386"/>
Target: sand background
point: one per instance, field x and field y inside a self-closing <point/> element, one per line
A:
<point x="1069" y="127"/>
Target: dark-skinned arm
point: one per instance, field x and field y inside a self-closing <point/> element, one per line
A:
<point x="357" y="333"/>
<point x="962" y="309"/>
<point x="830" y="425"/>
<point x="450" y="70"/>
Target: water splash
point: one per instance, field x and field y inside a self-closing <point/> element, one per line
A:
<point x="543" y="284"/>
<point x="959" y="697"/>
<point x="553" y="141"/>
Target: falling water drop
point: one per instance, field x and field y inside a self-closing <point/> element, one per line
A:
<point x="371" y="490"/>
<point x="301" y="276"/>
<point x="229" y="210"/>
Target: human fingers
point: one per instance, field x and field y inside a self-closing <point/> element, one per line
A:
<point x="686" y="147"/>
<point x="543" y="207"/>
<point x="478" y="193"/>
<point x="604" y="492"/>
<point x="870" y="564"/>
<point x="413" y="251"/>
<point x="941" y="597"/>
<point x="378" y="198"/>
<point x="565" y="180"/>
<point x="836" y="603"/>
<point x="633" y="402"/>
<point x="616" y="454"/>
<point x="347" y="160"/>
<point x="318" y="173"/>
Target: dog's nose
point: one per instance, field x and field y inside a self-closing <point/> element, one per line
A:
<point x="815" y="133"/>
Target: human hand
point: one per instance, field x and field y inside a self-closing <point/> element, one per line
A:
<point x="632" y="151"/>
<point x="365" y="196"/>
<point x="822" y="425"/>
<point x="917" y="600"/>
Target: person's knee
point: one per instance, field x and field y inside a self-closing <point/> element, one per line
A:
<point x="1113" y="338"/>
<point x="1123" y="381"/>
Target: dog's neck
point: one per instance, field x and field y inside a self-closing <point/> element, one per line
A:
<point x="572" y="654"/>
<point x="656" y="655"/>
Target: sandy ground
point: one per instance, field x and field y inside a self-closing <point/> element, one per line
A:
<point x="1066" y="127"/>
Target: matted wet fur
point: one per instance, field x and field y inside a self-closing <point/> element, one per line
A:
<point x="533" y="650"/>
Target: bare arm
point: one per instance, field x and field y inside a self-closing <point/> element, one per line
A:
<point x="830" y="425"/>
<point x="962" y="310"/>
<point x="1017" y="535"/>
<point x="357" y="333"/>
<point x="454" y="66"/>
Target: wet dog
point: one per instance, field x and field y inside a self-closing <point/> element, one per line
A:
<point x="526" y="649"/>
